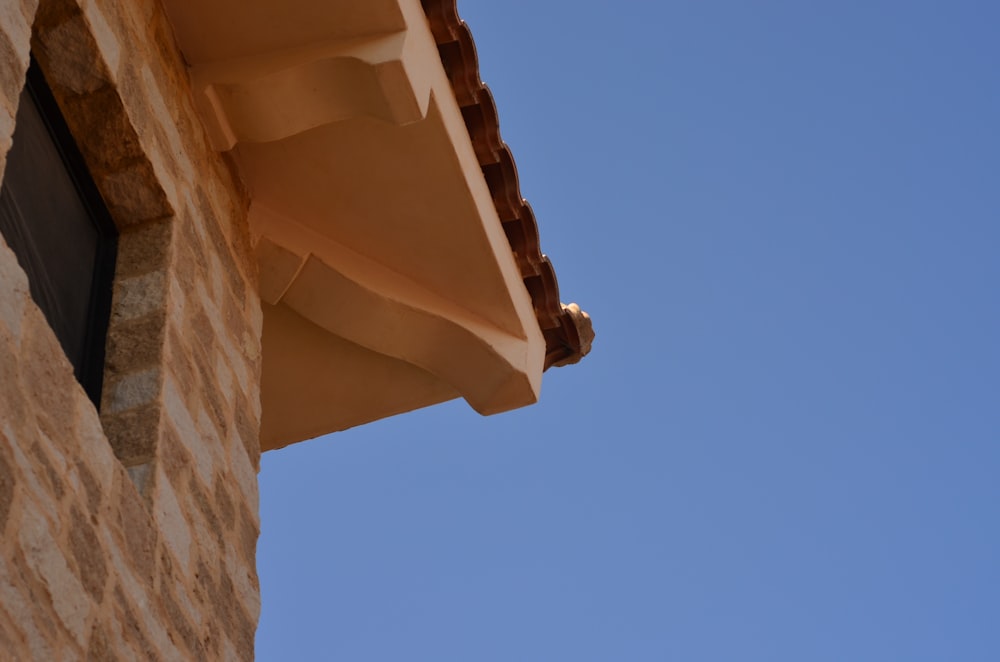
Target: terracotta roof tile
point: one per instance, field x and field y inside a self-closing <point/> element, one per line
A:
<point x="567" y="330"/>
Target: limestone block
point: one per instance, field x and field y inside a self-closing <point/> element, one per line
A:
<point x="134" y="390"/>
<point x="44" y="557"/>
<point x="14" y="295"/>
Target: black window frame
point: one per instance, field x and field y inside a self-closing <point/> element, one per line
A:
<point x="89" y="365"/>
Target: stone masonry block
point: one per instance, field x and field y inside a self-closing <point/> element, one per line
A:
<point x="104" y="133"/>
<point x="134" y="390"/>
<point x="27" y="481"/>
<point x="171" y="521"/>
<point x="15" y="34"/>
<point x="143" y="248"/>
<point x="80" y="67"/>
<point x="14" y="295"/>
<point x="139" y="295"/>
<point x="132" y="433"/>
<point x="133" y="194"/>
<point x="98" y="463"/>
<point x="133" y="346"/>
<point x="104" y="37"/>
<point x="48" y="376"/>
<point x="8" y="479"/>
<point x="188" y="435"/>
<point x="43" y="556"/>
<point x="6" y="135"/>
<point x="88" y="554"/>
<point x="16" y="598"/>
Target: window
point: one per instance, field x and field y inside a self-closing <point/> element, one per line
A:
<point x="53" y="218"/>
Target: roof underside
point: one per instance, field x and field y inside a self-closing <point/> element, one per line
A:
<point x="399" y="265"/>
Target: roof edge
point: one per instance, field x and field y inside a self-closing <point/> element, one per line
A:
<point x="567" y="329"/>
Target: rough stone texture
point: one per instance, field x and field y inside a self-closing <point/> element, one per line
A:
<point x="131" y="534"/>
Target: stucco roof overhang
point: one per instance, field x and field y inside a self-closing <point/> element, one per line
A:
<point x="399" y="265"/>
<point x="567" y="329"/>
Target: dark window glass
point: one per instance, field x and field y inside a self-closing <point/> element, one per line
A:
<point x="52" y="217"/>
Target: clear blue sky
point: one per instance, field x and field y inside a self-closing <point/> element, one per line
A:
<point x="784" y="218"/>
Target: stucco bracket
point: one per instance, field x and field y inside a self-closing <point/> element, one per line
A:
<point x="269" y="97"/>
<point x="368" y="304"/>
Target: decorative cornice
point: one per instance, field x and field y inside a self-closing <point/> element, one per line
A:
<point x="567" y="329"/>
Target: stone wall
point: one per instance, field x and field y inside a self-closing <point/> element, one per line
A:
<point x="131" y="534"/>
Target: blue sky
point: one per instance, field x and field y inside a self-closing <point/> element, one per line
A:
<point x="784" y="218"/>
